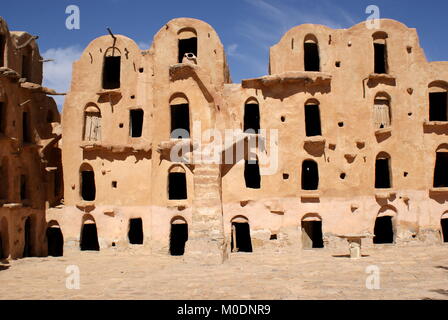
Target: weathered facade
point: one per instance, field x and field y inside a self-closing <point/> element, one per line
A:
<point x="31" y="170"/>
<point x="361" y="118"/>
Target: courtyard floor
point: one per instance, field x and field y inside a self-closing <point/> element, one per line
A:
<point x="417" y="272"/>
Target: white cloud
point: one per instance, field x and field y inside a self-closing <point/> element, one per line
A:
<point x="58" y="73"/>
<point x="143" y="45"/>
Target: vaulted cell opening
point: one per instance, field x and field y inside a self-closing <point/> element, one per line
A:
<point x="2" y="50"/>
<point x="441" y="168"/>
<point x="252" y="175"/>
<point x="383" y="230"/>
<point x="438" y="101"/>
<point x="178" y="236"/>
<point x="26" y="130"/>
<point x="27" y="237"/>
<point x="88" y="188"/>
<point x="111" y="69"/>
<point x="92" y="123"/>
<point x="187" y="43"/>
<point x="180" y="117"/>
<point x="2" y="117"/>
<point x="312" y="119"/>
<point x="89" y="235"/>
<point x="135" y="234"/>
<point x="382" y="111"/>
<point x="380" y="52"/>
<point x="55" y="240"/>
<point x="241" y="240"/>
<point x="27" y="55"/>
<point x="311" y="53"/>
<point x="4" y="179"/>
<point x="312" y="236"/>
<point x="251" y="116"/>
<point x="24" y="189"/>
<point x="136" y="122"/>
<point x="444" y="227"/>
<point x="177" y="183"/>
<point x="4" y="239"/>
<point x="310" y="175"/>
<point x="382" y="171"/>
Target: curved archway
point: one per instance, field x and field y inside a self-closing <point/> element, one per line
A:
<point x="4" y="178"/>
<point x="28" y="231"/>
<point x="383" y="176"/>
<point x="251" y="116"/>
<point x="4" y="239"/>
<point x="438" y="100"/>
<point x="444" y="227"/>
<point x="87" y="177"/>
<point x="178" y="235"/>
<point x="312" y="236"/>
<point x="384" y="225"/>
<point x="111" y="68"/>
<point x="382" y="111"/>
<point x="89" y="234"/>
<point x="55" y="239"/>
<point x="311" y="53"/>
<point x="187" y="43"/>
<point x="135" y="231"/>
<point x="312" y="118"/>
<point x="440" y="178"/>
<point x="241" y="240"/>
<point x="180" y="116"/>
<point x="92" y="123"/>
<point x="380" y="52"/>
<point x="177" y="183"/>
<point x="310" y="175"/>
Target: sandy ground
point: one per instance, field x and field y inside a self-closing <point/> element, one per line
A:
<point x="404" y="272"/>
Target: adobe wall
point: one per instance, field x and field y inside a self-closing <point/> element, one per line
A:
<point x="345" y="89"/>
<point x="31" y="169"/>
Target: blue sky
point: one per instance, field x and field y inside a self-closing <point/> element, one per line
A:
<point x="247" y="28"/>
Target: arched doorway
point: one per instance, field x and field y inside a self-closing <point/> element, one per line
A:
<point x="178" y="236"/>
<point x="89" y="235"/>
<point x="312" y="236"/>
<point x="444" y="226"/>
<point x="135" y="234"/>
<point x="384" y="226"/>
<point x="55" y="240"/>
<point x="27" y="235"/>
<point x="4" y="239"/>
<point x="241" y="240"/>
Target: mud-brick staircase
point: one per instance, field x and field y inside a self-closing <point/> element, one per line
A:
<point x="206" y="241"/>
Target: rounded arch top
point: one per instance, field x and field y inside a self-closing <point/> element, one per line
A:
<point x="387" y="211"/>
<point x="85" y="167"/>
<point x="438" y="86"/>
<point x="88" y="219"/>
<point x="311" y="217"/>
<point x="178" y="98"/>
<point x="187" y="33"/>
<point x="442" y="148"/>
<point x="112" y="52"/>
<point x="178" y="220"/>
<point x="92" y="108"/>
<point x="380" y="35"/>
<point x="251" y="100"/>
<point x="310" y="38"/>
<point x="239" y="219"/>
<point x="312" y="101"/>
<point x="383" y="155"/>
<point x="176" y="168"/>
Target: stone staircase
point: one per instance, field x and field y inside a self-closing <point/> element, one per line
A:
<point x="206" y="242"/>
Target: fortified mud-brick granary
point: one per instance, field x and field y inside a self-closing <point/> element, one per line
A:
<point x="30" y="157"/>
<point x="356" y="118"/>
